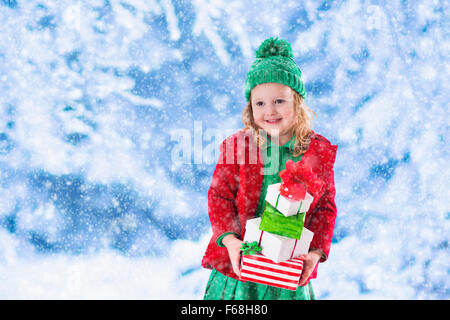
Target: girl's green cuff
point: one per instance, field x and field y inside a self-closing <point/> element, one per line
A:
<point x="219" y="239"/>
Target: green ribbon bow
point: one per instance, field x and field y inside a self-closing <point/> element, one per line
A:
<point x="248" y="248"/>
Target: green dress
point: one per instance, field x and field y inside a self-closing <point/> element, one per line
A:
<point x="221" y="287"/>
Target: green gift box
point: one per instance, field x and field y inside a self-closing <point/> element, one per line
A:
<point x="275" y="222"/>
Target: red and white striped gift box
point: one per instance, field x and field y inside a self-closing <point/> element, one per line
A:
<point x="257" y="268"/>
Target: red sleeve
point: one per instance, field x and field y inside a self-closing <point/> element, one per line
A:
<point x="323" y="218"/>
<point x="222" y="208"/>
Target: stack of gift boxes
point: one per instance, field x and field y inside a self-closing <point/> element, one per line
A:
<point x="274" y="242"/>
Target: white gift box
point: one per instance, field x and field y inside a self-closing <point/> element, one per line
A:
<point x="286" y="206"/>
<point x="275" y="247"/>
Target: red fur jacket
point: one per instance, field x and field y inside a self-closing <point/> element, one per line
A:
<point x="236" y="186"/>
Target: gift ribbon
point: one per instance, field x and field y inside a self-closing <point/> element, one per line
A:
<point x="295" y="179"/>
<point x="248" y="248"/>
<point x="292" y="253"/>
<point x="300" y="208"/>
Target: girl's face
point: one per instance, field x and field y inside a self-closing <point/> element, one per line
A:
<point x="273" y="109"/>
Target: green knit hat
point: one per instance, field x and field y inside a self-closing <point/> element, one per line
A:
<point x="274" y="63"/>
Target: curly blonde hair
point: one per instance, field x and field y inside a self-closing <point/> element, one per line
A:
<point x="302" y="127"/>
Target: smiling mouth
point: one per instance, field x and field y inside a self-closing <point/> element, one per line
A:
<point x="273" y="121"/>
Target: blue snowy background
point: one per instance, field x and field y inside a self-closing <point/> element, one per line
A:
<point x="96" y="98"/>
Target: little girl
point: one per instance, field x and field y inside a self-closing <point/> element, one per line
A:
<point x="277" y="128"/>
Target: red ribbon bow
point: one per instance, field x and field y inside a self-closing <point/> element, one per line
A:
<point x="295" y="180"/>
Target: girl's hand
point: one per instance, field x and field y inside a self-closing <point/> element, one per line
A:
<point x="309" y="263"/>
<point x="233" y="246"/>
